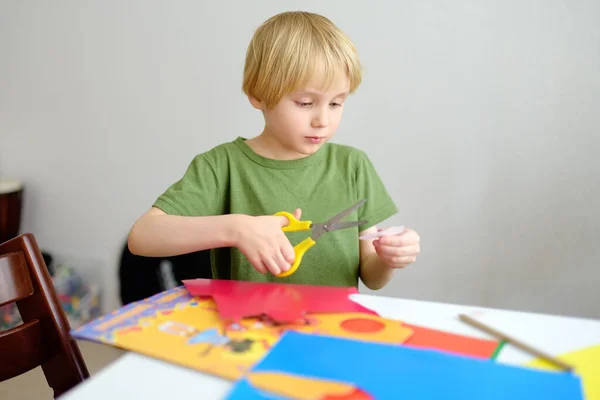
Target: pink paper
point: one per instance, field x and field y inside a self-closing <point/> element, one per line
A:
<point x="281" y="302"/>
<point x="394" y="230"/>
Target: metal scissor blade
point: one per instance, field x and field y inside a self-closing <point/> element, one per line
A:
<point x="344" y="225"/>
<point x="334" y="220"/>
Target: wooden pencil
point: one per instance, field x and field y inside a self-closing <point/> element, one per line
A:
<point x="515" y="342"/>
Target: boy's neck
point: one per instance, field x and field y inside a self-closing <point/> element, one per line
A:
<point x="266" y="146"/>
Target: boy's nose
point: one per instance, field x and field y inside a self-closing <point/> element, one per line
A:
<point x="321" y="120"/>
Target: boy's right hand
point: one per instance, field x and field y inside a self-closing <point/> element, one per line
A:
<point x="264" y="243"/>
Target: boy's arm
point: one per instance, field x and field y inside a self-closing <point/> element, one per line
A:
<point x="188" y="216"/>
<point x="374" y="273"/>
<point x="157" y="234"/>
<point x="260" y="239"/>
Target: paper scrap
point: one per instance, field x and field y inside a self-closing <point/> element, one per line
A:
<point x="428" y="338"/>
<point x="394" y="230"/>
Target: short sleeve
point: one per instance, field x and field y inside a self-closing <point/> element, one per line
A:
<point x="197" y="193"/>
<point x="379" y="205"/>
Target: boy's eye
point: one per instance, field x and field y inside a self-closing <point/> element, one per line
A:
<point x="335" y="104"/>
<point x="303" y="104"/>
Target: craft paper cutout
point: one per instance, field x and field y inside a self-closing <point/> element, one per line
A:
<point x="353" y="325"/>
<point x="400" y="372"/>
<point x="423" y="337"/>
<point x="394" y="230"/>
<point x="186" y="330"/>
<point x="227" y="294"/>
<point x="281" y="302"/>
<point x="587" y="364"/>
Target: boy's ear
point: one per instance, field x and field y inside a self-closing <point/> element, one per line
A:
<point x="256" y="103"/>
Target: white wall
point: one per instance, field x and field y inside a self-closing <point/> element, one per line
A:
<point x="482" y="117"/>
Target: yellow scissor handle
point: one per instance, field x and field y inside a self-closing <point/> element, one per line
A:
<point x="299" y="249"/>
<point x="294" y="225"/>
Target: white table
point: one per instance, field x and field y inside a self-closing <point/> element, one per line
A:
<point x="134" y="376"/>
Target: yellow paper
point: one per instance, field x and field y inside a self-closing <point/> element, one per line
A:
<point x="587" y="365"/>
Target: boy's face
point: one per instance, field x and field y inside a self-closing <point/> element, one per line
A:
<point x="306" y="119"/>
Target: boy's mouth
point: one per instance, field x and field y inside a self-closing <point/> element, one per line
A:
<point x="315" y="139"/>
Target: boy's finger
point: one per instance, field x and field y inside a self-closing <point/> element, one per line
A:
<point x="260" y="267"/>
<point x="394" y="251"/>
<point x="272" y="266"/>
<point x="283" y="221"/>
<point x="298" y="213"/>
<point x="400" y="240"/>
<point x="401" y="262"/>
<point x="287" y="251"/>
<point x="281" y="262"/>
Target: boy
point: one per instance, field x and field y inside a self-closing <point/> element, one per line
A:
<point x="299" y="70"/>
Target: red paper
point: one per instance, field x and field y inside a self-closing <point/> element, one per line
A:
<point x="281" y="302"/>
<point x="450" y="342"/>
<point x="355" y="394"/>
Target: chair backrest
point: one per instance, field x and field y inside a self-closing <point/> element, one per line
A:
<point x="141" y="277"/>
<point x="43" y="338"/>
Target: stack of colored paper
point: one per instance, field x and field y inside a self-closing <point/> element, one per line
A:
<point x="272" y="338"/>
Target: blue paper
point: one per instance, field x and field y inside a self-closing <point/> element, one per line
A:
<point x="243" y="390"/>
<point x="388" y="371"/>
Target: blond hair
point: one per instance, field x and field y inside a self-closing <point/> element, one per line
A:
<point x="288" y="48"/>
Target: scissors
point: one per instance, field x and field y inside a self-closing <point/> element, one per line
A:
<point x="332" y="224"/>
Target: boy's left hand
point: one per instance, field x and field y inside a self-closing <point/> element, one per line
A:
<point x="398" y="251"/>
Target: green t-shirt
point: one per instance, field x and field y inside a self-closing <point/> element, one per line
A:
<point x="232" y="179"/>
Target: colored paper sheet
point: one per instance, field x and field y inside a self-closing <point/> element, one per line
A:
<point x="187" y="330"/>
<point x="279" y="301"/>
<point x="423" y="337"/>
<point x="587" y="364"/>
<point x="386" y="371"/>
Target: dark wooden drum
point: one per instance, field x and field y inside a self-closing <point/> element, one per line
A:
<point x="11" y="201"/>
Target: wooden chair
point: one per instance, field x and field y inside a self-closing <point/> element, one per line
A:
<point x="43" y="339"/>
